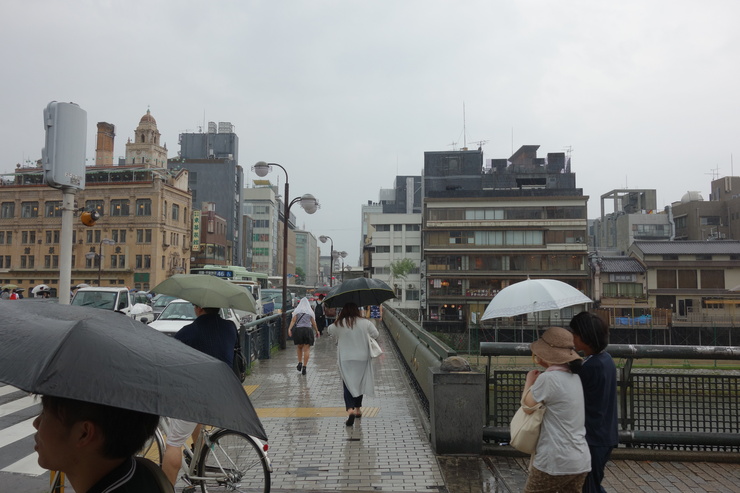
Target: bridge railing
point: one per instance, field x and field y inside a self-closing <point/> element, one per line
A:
<point x="676" y="409"/>
<point x="260" y="337"/>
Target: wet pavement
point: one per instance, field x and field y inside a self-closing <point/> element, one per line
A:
<point x="389" y="449"/>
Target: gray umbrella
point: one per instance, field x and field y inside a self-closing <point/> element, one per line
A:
<point x="107" y="358"/>
<point x="362" y="291"/>
<point x="207" y="291"/>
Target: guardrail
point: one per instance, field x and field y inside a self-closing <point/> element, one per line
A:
<point x="420" y="350"/>
<point x="696" y="410"/>
<point x="259" y="337"/>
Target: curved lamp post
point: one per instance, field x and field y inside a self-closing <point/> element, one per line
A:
<point x="310" y="205"/>
<point x="99" y="255"/>
<point x="342" y="255"/>
<point x="323" y="239"/>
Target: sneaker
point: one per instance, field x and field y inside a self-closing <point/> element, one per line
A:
<point x="304" y="371"/>
<point x="299" y="366"/>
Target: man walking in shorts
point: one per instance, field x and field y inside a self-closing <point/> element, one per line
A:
<point x="210" y="334"/>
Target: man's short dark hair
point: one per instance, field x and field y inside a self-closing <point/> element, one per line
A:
<point x="124" y="431"/>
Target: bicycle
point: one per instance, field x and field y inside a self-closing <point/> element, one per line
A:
<point x="221" y="460"/>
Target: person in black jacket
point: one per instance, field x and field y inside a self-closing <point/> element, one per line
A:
<point x="319" y="314"/>
<point x="599" y="378"/>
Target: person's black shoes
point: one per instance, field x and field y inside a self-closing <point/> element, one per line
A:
<point x="299" y="366"/>
<point x="303" y="372"/>
<point x="351" y="420"/>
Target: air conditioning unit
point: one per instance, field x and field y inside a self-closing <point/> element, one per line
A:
<point x="410" y="286"/>
<point x="579" y="239"/>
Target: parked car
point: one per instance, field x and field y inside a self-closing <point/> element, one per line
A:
<point x="273" y="296"/>
<point x="114" y="299"/>
<point x="179" y="313"/>
<point x="159" y="302"/>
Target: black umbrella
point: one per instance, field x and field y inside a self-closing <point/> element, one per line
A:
<point x="361" y="291"/>
<point x="108" y="358"/>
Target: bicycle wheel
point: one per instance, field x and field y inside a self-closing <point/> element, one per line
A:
<point x="153" y="449"/>
<point x="233" y="462"/>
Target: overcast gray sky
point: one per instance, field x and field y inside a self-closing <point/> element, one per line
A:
<point x="348" y="94"/>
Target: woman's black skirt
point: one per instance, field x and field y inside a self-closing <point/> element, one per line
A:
<point x="303" y="335"/>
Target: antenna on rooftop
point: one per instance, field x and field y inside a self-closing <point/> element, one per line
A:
<point x="465" y="141"/>
<point x="454" y="145"/>
<point x="714" y="173"/>
<point x="480" y="143"/>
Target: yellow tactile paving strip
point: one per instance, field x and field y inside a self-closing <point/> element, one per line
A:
<point x="306" y="412"/>
<point x="312" y="412"/>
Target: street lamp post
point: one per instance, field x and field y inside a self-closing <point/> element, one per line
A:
<point x="99" y="255"/>
<point x="323" y="239"/>
<point x="309" y="204"/>
<point x="342" y="255"/>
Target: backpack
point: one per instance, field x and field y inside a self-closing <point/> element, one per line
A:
<point x="319" y="310"/>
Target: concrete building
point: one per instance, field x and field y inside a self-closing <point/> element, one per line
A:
<point x="210" y="244"/>
<point x="485" y="228"/>
<point x="691" y="278"/>
<point x="307" y="257"/>
<point x="632" y="216"/>
<point x="145" y="212"/>
<point x="260" y="203"/>
<point x="212" y="159"/>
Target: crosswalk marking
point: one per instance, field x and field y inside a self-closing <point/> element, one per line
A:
<point x="18" y="405"/>
<point x="28" y="465"/>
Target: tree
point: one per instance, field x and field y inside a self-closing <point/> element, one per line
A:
<point x="300" y="276"/>
<point x="401" y="268"/>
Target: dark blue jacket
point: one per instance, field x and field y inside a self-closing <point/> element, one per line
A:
<point x="599" y="378"/>
<point x="212" y="335"/>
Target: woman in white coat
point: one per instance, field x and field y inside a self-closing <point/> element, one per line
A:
<point x="353" y="352"/>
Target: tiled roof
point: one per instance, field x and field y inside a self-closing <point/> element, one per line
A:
<point x="620" y="265"/>
<point x="718" y="247"/>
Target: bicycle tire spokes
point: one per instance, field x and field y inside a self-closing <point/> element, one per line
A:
<point x="233" y="462"/>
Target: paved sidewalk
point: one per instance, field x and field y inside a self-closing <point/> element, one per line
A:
<point x="312" y="449"/>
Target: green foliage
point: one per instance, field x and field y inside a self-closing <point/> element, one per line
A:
<point x="401" y="268"/>
<point x="300" y="275"/>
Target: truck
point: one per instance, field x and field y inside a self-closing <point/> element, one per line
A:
<point x="114" y="299"/>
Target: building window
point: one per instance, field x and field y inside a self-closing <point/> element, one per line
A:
<point x="175" y="212"/>
<point x="52" y="237"/>
<point x="382" y="227"/>
<point x="712" y="279"/>
<point x="666" y="279"/>
<point x="93" y="236"/>
<point x="382" y="249"/>
<point x="28" y="237"/>
<point x="51" y="261"/>
<point x="413" y="227"/>
<point x="710" y="221"/>
<point x="143" y="236"/>
<point x="94" y="205"/>
<point x="5" y="262"/>
<point x="398" y="227"/>
<point x="413" y="249"/>
<point x="143" y="207"/>
<point x="147" y="261"/>
<point x="29" y="209"/>
<point x="412" y="295"/>
<point x="119" y="235"/>
<point x="53" y="208"/>
<point x="7" y="210"/>
<point x="119" y="207"/>
<point x="139" y="259"/>
<point x="117" y="261"/>
<point x="2" y="237"/>
<point x="397" y="249"/>
<point x="28" y="261"/>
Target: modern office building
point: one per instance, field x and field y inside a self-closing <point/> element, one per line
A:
<point x="486" y="227"/>
<point x="215" y="176"/>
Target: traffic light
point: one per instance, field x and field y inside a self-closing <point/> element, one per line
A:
<point x="88" y="218"/>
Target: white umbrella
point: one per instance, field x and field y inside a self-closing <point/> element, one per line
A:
<point x="39" y="288"/>
<point x="533" y="295"/>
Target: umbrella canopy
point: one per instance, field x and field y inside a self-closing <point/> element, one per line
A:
<point x="107" y="358"/>
<point x="533" y="295"/>
<point x="361" y="291"/>
<point x="10" y="286"/>
<point x="207" y="292"/>
<point x="39" y="288"/>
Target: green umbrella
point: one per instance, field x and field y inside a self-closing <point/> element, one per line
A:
<point x="10" y="286"/>
<point x="207" y="292"/>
